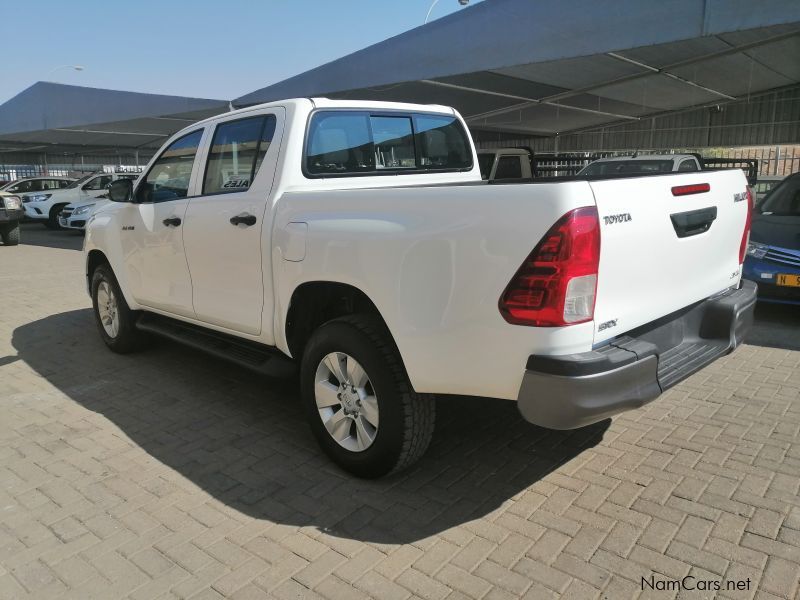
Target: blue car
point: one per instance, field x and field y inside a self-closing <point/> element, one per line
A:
<point x="773" y="255"/>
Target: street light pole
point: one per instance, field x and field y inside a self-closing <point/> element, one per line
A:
<point x="461" y="2"/>
<point x="74" y="67"/>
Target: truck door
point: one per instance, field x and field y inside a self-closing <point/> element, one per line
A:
<point x="226" y="220"/>
<point x="152" y="230"/>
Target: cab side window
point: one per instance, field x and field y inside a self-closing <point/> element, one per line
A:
<point x="688" y="165"/>
<point x="168" y="178"/>
<point x="236" y="153"/>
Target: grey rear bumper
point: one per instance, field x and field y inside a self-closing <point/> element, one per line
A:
<point x="566" y="392"/>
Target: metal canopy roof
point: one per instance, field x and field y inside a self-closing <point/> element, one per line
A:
<point x="547" y="67"/>
<point x="75" y="119"/>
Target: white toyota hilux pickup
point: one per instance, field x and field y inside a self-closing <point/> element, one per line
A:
<point x="358" y="239"/>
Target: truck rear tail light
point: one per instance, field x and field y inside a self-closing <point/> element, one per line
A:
<point x="747" y="223"/>
<point x="557" y="283"/>
<point x="694" y="188"/>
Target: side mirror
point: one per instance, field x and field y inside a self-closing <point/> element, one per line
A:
<point x="121" y="190"/>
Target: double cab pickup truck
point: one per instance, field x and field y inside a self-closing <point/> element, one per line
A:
<point x="357" y="241"/>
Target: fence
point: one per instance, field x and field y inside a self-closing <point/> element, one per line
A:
<point x="12" y="172"/>
<point x="773" y="160"/>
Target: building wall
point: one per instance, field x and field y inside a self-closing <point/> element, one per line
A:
<point x="31" y="164"/>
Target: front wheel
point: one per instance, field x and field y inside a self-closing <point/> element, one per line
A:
<point x="358" y="400"/>
<point x="52" y="217"/>
<point x="10" y="234"/>
<point x="116" y="322"/>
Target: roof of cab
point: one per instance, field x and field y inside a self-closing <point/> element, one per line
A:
<point x="328" y="103"/>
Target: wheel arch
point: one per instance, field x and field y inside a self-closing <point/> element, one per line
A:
<point x="95" y="258"/>
<point x="316" y="302"/>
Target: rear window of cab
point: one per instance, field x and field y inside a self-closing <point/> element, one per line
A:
<point x="349" y="143"/>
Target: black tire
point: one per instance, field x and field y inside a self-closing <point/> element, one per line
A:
<point x="10" y="234"/>
<point x="406" y="418"/>
<point x="52" y="219"/>
<point x="127" y="339"/>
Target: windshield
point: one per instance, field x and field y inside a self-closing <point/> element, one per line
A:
<point x="78" y="182"/>
<point x="485" y="163"/>
<point x="783" y="200"/>
<point x="618" y="167"/>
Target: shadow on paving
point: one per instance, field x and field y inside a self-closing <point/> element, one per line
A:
<point x="776" y="326"/>
<point x="36" y="234"/>
<point x="243" y="438"/>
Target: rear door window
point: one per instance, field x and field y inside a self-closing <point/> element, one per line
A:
<point x="236" y="153"/>
<point x="358" y="142"/>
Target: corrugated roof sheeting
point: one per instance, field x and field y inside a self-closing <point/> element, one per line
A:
<point x="772" y="118"/>
<point x="547" y="67"/>
<point x="76" y="118"/>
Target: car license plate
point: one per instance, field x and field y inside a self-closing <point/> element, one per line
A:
<point x="787" y="280"/>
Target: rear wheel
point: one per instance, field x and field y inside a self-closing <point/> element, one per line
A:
<point x="10" y="234"/>
<point x="116" y="322"/>
<point x="358" y="400"/>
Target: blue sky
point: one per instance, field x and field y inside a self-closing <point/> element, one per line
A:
<point x="193" y="47"/>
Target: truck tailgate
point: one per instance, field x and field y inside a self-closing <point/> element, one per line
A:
<point x="663" y="249"/>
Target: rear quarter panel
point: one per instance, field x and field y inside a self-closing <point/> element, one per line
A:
<point x="434" y="260"/>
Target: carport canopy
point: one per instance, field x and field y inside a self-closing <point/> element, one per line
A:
<point x="544" y="67"/>
<point x="74" y="119"/>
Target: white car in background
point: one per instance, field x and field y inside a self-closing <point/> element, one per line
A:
<point x="75" y="215"/>
<point x="29" y="185"/>
<point x="45" y="206"/>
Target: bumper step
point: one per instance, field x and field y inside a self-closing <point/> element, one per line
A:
<point x="257" y="357"/>
<point x="565" y="392"/>
<point x="676" y="364"/>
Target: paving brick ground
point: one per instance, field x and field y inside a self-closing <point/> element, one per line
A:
<point x="170" y="475"/>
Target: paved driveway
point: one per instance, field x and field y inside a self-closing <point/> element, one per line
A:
<point x="169" y="474"/>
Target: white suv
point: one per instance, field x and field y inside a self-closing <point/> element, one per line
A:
<point x="75" y="215"/>
<point x="45" y="206"/>
<point x="36" y="184"/>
